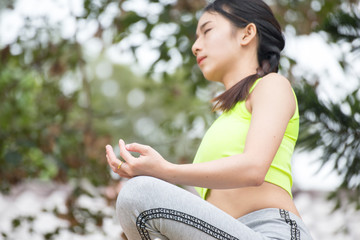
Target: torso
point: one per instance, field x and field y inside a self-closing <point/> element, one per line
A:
<point x="241" y="201"/>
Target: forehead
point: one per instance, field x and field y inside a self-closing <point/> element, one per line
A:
<point x="210" y="18"/>
<point x="213" y="17"/>
<point x="206" y="17"/>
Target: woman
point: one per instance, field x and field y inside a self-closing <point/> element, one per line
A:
<point x="242" y="168"/>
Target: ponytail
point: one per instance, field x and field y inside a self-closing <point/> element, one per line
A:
<point x="240" y="91"/>
<point x="271" y="42"/>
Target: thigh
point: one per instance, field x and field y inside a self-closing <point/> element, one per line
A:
<point x="150" y="208"/>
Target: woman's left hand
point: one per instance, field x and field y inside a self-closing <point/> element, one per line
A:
<point x="149" y="163"/>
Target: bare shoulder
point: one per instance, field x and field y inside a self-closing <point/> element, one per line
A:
<point x="273" y="89"/>
<point x="273" y="84"/>
<point x="275" y="81"/>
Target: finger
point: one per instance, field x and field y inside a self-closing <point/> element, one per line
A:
<point x="117" y="168"/>
<point x="124" y="153"/>
<point x="111" y="163"/>
<point x="120" y="171"/>
<point x="111" y="157"/>
<point x="139" y="148"/>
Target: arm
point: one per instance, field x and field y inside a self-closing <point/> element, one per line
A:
<point x="272" y="105"/>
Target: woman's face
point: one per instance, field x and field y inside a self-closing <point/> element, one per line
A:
<point x="216" y="48"/>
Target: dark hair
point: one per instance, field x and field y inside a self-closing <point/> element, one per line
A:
<point x="271" y="41"/>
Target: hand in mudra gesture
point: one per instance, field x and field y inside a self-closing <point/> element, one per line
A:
<point x="149" y="163"/>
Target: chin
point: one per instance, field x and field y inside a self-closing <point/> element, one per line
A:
<point x="211" y="77"/>
<point x="207" y="78"/>
<point x="207" y="75"/>
<point x="211" y="74"/>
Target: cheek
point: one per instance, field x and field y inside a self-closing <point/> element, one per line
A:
<point x="213" y="68"/>
<point x="214" y="41"/>
<point x="221" y="46"/>
<point x="221" y="61"/>
<point x="221" y="52"/>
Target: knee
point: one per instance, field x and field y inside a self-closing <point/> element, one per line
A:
<point x="134" y="194"/>
<point x="136" y="188"/>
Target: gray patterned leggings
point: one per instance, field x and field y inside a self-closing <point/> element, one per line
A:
<point x="149" y="208"/>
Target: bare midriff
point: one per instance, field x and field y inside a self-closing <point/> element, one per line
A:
<point x="241" y="201"/>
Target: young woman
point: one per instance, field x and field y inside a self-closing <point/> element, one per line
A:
<point x="242" y="169"/>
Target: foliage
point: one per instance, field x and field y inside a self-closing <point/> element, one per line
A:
<point x="335" y="127"/>
<point x="54" y="131"/>
<point x="61" y="103"/>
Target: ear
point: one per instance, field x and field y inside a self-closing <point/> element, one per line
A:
<point x="248" y="34"/>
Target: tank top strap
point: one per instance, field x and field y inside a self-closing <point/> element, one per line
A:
<point x="254" y="84"/>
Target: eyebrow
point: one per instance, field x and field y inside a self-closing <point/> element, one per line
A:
<point x="202" y="26"/>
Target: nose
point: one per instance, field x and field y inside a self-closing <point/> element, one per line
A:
<point x="196" y="47"/>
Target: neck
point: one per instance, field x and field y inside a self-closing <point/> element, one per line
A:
<point x="245" y="66"/>
<point x="241" y="72"/>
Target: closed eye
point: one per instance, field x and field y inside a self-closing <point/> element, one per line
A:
<point x="207" y="30"/>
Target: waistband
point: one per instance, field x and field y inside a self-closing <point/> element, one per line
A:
<point x="276" y="214"/>
<point x="270" y="213"/>
<point x="267" y="217"/>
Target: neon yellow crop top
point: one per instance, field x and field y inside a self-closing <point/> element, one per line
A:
<point x="227" y="136"/>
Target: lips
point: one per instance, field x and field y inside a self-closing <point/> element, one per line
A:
<point x="200" y="59"/>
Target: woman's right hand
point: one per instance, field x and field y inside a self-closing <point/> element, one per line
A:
<point x="149" y="163"/>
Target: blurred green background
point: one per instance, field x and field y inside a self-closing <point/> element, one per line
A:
<point x="92" y="71"/>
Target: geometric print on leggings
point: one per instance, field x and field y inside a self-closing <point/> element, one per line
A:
<point x="295" y="232"/>
<point x="181" y="217"/>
